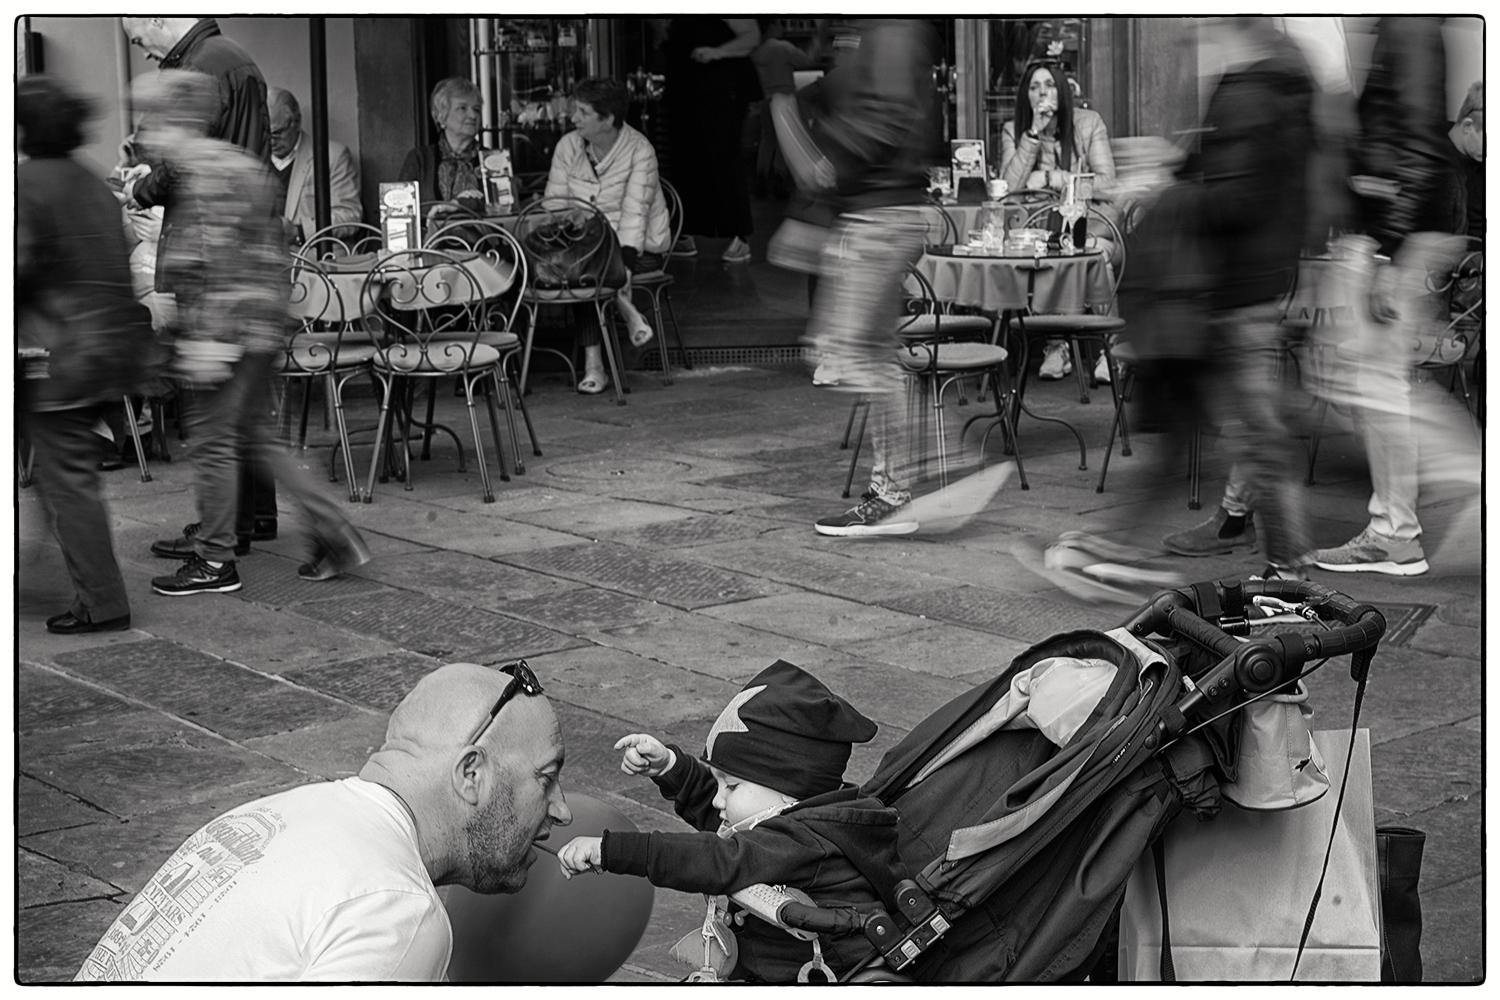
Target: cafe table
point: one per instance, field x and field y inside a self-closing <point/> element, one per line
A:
<point x="1014" y="285"/>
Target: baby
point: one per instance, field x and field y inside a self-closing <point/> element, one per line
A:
<point x="770" y="799"/>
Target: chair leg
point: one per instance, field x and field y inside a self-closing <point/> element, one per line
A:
<point x="536" y="448"/>
<point x="1317" y="437"/>
<point x="526" y="349"/>
<point x="849" y="426"/>
<point x="1001" y="385"/>
<point x="1119" y="419"/>
<point x="376" y="458"/>
<point x="135" y="435"/>
<point x="938" y="388"/>
<point x="431" y="414"/>
<point x="666" y="294"/>
<point x="336" y="395"/>
<point x="1076" y="349"/>
<point x="484" y="472"/>
<point x="307" y="388"/>
<point x="654" y="294"/>
<point x="502" y="387"/>
<point x="859" y="439"/>
<point x="611" y="349"/>
<point x="489" y="399"/>
<point x="1195" y="469"/>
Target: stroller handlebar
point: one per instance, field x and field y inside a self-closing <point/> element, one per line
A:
<point x="1260" y="664"/>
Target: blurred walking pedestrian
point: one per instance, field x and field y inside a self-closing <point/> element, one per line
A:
<point x="874" y="123"/>
<point x="225" y="262"/>
<point x="82" y="336"/>
<point x="1251" y="207"/>
<point x="1412" y="205"/>
<point x="710" y="87"/>
<point x="196" y="43"/>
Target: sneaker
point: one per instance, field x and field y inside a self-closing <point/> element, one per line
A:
<point x="197" y="577"/>
<point x="333" y="557"/>
<point x="1274" y="571"/>
<point x="1057" y="361"/>
<point x="181" y="547"/>
<point x="873" y="516"/>
<point x="827" y="372"/>
<point x="684" y="247"/>
<point x="1371" y="552"/>
<point x="1206" y="539"/>
<point x="738" y="252"/>
<point x="1101" y="370"/>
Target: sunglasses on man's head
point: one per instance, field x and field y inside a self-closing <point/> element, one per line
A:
<point x="522" y="680"/>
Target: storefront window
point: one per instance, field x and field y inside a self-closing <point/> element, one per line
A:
<point x="1015" y="41"/>
<point x="535" y="62"/>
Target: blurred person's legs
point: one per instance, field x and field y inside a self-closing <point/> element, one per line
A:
<point x="1379" y="383"/>
<point x="67" y="476"/>
<point x="1265" y="477"/>
<point x="853" y="323"/>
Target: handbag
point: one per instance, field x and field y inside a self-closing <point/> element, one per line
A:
<point x="1235" y="890"/>
<point x="569" y="244"/>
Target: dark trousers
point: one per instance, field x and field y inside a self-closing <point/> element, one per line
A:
<point x="67" y="475"/>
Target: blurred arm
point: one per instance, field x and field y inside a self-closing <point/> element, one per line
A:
<point x="746" y="38"/>
<point x="1101" y="159"/>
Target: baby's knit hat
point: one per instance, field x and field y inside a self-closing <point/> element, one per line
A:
<point x="787" y="731"/>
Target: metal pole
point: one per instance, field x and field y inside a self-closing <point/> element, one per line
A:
<point x="482" y="39"/>
<point x="122" y="81"/>
<point x="317" y="44"/>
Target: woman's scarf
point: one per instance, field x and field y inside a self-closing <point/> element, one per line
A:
<point x="458" y="173"/>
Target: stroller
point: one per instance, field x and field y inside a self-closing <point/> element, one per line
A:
<point x="1015" y="849"/>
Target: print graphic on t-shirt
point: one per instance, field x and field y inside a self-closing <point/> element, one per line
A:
<point x="180" y="894"/>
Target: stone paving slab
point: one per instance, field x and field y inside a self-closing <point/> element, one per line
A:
<point x="140" y="763"/>
<point x="946" y="565"/>
<point x="273" y="581"/>
<point x="228" y="699"/>
<point x="584" y="609"/>
<point x="823" y="480"/>
<point x="1450" y="640"/>
<point x="41" y="808"/>
<point x="1463" y="611"/>
<point x="639" y="462"/>
<point x="331" y="750"/>
<point x="1452" y="949"/>
<point x="943" y="650"/>
<point x="611" y="681"/>
<point x="463" y="579"/>
<point x="601" y="516"/>
<point x="726" y="650"/>
<point x="41" y="880"/>
<point x="1018" y="616"/>
<point x="53" y="941"/>
<point x="536" y="494"/>
<point x="440" y="527"/>
<point x="1426" y="769"/>
<point x="830" y="571"/>
<point x="816" y="618"/>
<point x="376" y="682"/>
<point x="1454" y="849"/>
<point x="437" y="628"/>
<point x="1450" y="693"/>
<point x="49" y="700"/>
<point x="890" y="695"/>
<point x="685" y="585"/>
<point x="693" y="531"/>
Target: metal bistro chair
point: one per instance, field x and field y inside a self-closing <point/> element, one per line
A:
<point x="934" y="361"/>
<point x="432" y="304"/>
<point x="321" y="350"/>
<point x="498" y="246"/>
<point x="658" y="287"/>
<point x="345" y="240"/>
<point x="572" y="212"/>
<point x="1097" y="328"/>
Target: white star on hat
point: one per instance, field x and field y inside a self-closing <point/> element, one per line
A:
<point x="729" y="720"/>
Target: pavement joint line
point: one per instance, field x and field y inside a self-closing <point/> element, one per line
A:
<point x="188" y="723"/>
<point x="119" y="891"/>
<point x="72" y="795"/>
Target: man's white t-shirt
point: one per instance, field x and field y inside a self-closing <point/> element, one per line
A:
<point x="322" y="882"/>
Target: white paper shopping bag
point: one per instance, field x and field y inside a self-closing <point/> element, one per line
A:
<point x="1238" y="889"/>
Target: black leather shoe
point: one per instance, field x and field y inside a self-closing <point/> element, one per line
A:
<point x="182" y="546"/>
<point x="69" y="624"/>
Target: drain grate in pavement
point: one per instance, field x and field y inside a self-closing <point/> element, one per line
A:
<point x="436" y="628"/>
<point x="232" y="701"/>
<point x="681" y="584"/>
<point x="1018" y="615"/>
<point x="1402" y="620"/>
<point x="377" y="682"/>
<point x="274" y="582"/>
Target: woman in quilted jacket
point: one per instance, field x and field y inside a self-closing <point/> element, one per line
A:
<point x="612" y="166"/>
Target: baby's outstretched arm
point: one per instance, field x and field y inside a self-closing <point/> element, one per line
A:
<point x="581" y="854"/>
<point x="644" y="754"/>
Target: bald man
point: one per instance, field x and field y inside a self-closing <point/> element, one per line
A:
<point x="336" y="881"/>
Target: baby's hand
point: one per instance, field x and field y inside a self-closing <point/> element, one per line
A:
<point x="581" y="854"/>
<point x="644" y="754"/>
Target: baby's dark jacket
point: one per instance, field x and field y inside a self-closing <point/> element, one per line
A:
<point x="807" y="847"/>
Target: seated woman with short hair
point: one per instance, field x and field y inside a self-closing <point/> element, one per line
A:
<point x="612" y="166"/>
<point x="447" y="172"/>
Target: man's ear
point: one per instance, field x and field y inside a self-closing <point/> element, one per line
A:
<point x="468" y="774"/>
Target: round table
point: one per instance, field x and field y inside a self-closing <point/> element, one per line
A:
<point x="348" y="276"/>
<point x="1047" y="284"/>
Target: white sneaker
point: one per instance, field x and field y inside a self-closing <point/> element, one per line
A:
<point x="1101" y="370"/>
<point x="1057" y="361"/>
<point x="827" y="372"/>
<point x="738" y="252"/>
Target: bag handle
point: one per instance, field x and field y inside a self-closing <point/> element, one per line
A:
<point x="1168" y="972"/>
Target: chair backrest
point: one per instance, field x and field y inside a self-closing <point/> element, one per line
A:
<point x="1096" y="220"/>
<point x="491" y="240"/>
<point x="674" y="209"/>
<point x="316" y="310"/>
<point x="431" y="305"/>
<point x="345" y="240"/>
<point x="941" y="229"/>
